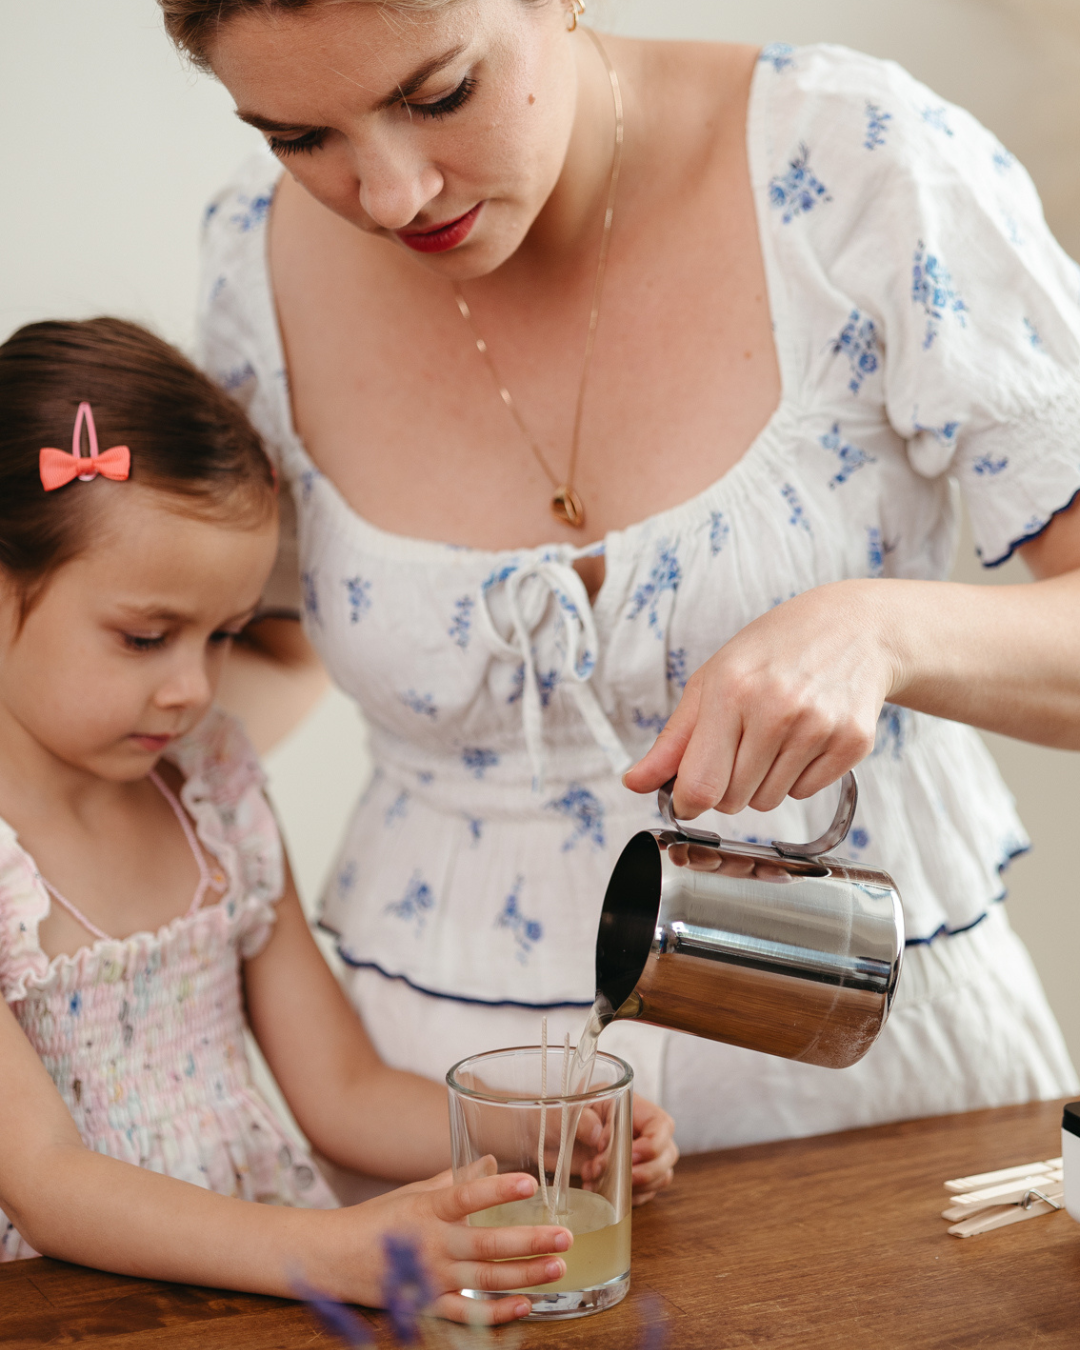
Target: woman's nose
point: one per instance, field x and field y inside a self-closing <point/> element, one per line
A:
<point x="393" y="190"/>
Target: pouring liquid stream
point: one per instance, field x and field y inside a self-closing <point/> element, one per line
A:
<point x="579" y="1080"/>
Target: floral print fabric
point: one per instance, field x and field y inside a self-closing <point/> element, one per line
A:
<point x="928" y="331"/>
<point x="144" y="1037"/>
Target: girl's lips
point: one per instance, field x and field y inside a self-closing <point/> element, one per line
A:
<point x="442" y="237"/>
<point x="155" y="744"/>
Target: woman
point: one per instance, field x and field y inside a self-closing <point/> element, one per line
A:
<point x="756" y="312"/>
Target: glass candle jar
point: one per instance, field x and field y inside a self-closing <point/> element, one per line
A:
<point x="578" y="1146"/>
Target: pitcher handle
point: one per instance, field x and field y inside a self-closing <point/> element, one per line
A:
<point x="833" y="836"/>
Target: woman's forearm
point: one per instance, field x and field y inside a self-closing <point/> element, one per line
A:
<point x="272" y="680"/>
<point x="1004" y="658"/>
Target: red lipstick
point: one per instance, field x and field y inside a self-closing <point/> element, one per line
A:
<point x="442" y="237"/>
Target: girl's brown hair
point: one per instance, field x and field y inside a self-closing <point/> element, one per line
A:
<point x="187" y="438"/>
<point x="192" y="24"/>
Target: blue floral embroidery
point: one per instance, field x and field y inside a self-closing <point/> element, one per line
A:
<point x="877" y="126"/>
<point x="798" y="190"/>
<point x="655" y="724"/>
<point x="500" y="576"/>
<point x="851" y="457"/>
<point x="218" y="286"/>
<point x="75" y="1004"/>
<point x="425" y="777"/>
<point x="460" y="629"/>
<point x="478" y="761"/>
<point x="311" y="596"/>
<point x="210" y="212"/>
<point x="308" y="479"/>
<point x="585" y="811"/>
<point x="935" y="117"/>
<point x="932" y="288"/>
<point x="798" y="515"/>
<point x="875" y="552"/>
<point x="779" y="55"/>
<point x="858" y="341"/>
<point x="345" y="879"/>
<point x="476" y="829"/>
<point x="1003" y="159"/>
<point x="415" y="904"/>
<point x="676" y="667"/>
<point x="398" y="808"/>
<point x="945" y="434"/>
<point x="232" y="380"/>
<point x="253" y="212"/>
<point x="546" y="682"/>
<point x="1034" y="336"/>
<point x="1012" y="229"/>
<point x="665" y="576"/>
<point x="421" y="704"/>
<point x="858" y="839"/>
<point x="719" y="530"/>
<point x="359" y="597"/>
<point x="527" y="932"/>
<point x="989" y="468"/>
<point x="891" y="730"/>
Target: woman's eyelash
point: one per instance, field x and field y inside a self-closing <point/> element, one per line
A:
<point x="143" y="644"/>
<point x="450" y="104"/>
<point x="312" y="140"/>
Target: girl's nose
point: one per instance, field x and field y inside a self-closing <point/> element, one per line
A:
<point x="394" y="191"/>
<point x="188" y="685"/>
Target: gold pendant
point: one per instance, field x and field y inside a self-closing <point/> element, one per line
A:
<point x="567" y="506"/>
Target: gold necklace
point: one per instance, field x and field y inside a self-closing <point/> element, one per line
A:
<point x="566" y="504"/>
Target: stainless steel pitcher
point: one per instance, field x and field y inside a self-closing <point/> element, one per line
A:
<point x="783" y="948"/>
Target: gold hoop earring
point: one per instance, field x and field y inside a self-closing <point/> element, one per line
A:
<point x="577" y="9"/>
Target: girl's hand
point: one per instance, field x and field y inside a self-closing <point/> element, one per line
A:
<point x="783" y="709"/>
<point x="654" y="1151"/>
<point x="453" y="1255"/>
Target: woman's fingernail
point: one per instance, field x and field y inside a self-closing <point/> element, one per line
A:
<point x="522" y="1309"/>
<point x="562" y="1242"/>
<point x="554" y="1270"/>
<point x="525" y="1186"/>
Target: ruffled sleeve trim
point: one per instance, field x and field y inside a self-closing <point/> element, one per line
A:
<point x="24" y="902"/>
<point x="224" y="792"/>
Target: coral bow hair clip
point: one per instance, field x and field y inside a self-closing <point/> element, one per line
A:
<point x="58" y="468"/>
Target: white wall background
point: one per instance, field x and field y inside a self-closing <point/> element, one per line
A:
<point x="110" y="148"/>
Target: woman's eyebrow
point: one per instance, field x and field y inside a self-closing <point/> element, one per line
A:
<point x="404" y="90"/>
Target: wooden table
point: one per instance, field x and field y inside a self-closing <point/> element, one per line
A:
<point x="815" y="1244"/>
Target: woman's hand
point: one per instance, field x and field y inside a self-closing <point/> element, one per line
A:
<point x="454" y="1256"/>
<point x="783" y="709"/>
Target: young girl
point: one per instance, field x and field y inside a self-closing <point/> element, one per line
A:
<point x="146" y="908"/>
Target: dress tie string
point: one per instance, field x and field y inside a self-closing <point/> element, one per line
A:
<point x="525" y="594"/>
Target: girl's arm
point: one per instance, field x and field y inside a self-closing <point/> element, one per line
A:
<point x="77" y="1205"/>
<point x="792" y="701"/>
<point x="352" y="1107"/>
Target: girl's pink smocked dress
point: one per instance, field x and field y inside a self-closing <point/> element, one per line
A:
<point x="144" y="1036"/>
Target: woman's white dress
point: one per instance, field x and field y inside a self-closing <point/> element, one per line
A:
<point x="928" y="332"/>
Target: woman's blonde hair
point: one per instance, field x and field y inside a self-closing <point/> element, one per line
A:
<point x="193" y="24"/>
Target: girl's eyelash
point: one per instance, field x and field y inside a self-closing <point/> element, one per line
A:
<point x="450" y="104"/>
<point x="312" y="140"/>
<point x="143" y="644"/>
